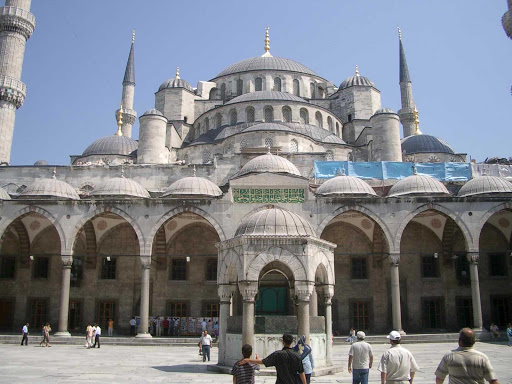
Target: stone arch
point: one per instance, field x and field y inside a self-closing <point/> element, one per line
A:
<point x="105" y="237"/>
<point x="41" y="235"/>
<point x="230" y="270"/>
<point x="256" y="265"/>
<point x="486" y="216"/>
<point x="189" y="227"/>
<point x="278" y="266"/>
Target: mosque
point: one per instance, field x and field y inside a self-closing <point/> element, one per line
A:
<point x="267" y="190"/>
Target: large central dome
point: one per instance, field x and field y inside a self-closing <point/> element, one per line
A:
<point x="266" y="63"/>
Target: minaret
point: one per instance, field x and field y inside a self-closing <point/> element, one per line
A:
<point x="129" y="114"/>
<point x="16" y="26"/>
<point x="407" y="112"/>
<point x="506" y="20"/>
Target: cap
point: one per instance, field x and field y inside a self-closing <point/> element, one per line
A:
<point x="394" y="335"/>
<point x="361" y="335"/>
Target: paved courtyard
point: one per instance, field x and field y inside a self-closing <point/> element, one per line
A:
<point x="120" y="364"/>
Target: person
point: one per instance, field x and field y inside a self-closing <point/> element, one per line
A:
<point x="360" y="359"/>
<point x="244" y="374"/>
<point x="172" y="324"/>
<point x="133" y="325"/>
<point x="24" y="332"/>
<point x="203" y="325"/>
<point x="351" y="336"/>
<point x="110" y="327"/>
<point x="97" y="335"/>
<point x="306" y="355"/>
<point x="494" y="331"/>
<point x="46" y="335"/>
<point x="90" y="333"/>
<point x="465" y="364"/>
<point x="509" y="334"/>
<point x="287" y="362"/>
<point x="397" y="365"/>
<point x="158" y="326"/>
<point x="206" y="343"/>
<point x="165" y="325"/>
<point x="216" y="329"/>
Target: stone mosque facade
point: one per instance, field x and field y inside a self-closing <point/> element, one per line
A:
<point x="215" y="211"/>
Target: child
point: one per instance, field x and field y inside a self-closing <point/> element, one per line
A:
<point x="245" y="373"/>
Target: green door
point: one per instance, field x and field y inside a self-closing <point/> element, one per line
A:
<point x="271" y="301"/>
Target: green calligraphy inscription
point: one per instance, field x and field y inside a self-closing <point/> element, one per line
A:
<point x="267" y="195"/>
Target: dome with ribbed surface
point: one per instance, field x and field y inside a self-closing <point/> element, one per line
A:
<point x="4" y="195"/>
<point x="121" y="187"/>
<point x="266" y="95"/>
<point x="269" y="163"/>
<point x="176" y="83"/>
<point x="153" y="111"/>
<point x="418" y="185"/>
<point x="424" y="144"/>
<point x="192" y="186"/>
<point x="485" y="185"/>
<point x="275" y="222"/>
<point x="112" y="145"/>
<point x="266" y="63"/>
<point x="345" y="185"/>
<point x="41" y="162"/>
<point x="384" y="111"/>
<point x="356" y="80"/>
<point x="50" y="188"/>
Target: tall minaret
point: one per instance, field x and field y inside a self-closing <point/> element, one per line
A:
<point x="16" y="26"/>
<point x="129" y="114"/>
<point x="407" y="112"/>
<point x="506" y="20"/>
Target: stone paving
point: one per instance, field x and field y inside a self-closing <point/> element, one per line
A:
<point x="177" y="365"/>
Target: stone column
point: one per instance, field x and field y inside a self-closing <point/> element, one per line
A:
<point x="473" y="258"/>
<point x="144" y="297"/>
<point x="67" y="261"/>
<point x="225" y="294"/>
<point x="313" y="303"/>
<point x="303" y="293"/>
<point x="327" y="296"/>
<point x="394" y="260"/>
<point x="248" y="290"/>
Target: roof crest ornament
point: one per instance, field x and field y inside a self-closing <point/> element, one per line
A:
<point x="414" y="169"/>
<point x="122" y="172"/>
<point x="343" y="170"/>
<point x="357" y="70"/>
<point x="267" y="44"/>
<point x="133" y="36"/>
<point x="416" y="123"/>
<point x="54" y="173"/>
<point x="178" y="72"/>
<point x="195" y="175"/>
<point x="120" y="121"/>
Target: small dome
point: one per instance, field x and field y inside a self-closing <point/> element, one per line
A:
<point x="153" y="112"/>
<point x="356" y="80"/>
<point x="45" y="188"/>
<point x="266" y="63"/>
<point x="4" y="195"/>
<point x="425" y="144"/>
<point x="112" y="145"/>
<point x="384" y="111"/>
<point x="275" y="222"/>
<point x="41" y="162"/>
<point x="483" y="185"/>
<point x="176" y="83"/>
<point x="192" y="186"/>
<point x="345" y="185"/>
<point x="121" y="186"/>
<point x="269" y="163"/>
<point x="265" y="95"/>
<point x="418" y="185"/>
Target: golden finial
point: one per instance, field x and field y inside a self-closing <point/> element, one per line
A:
<point x="399" y="33"/>
<point x="133" y="36"/>
<point x="120" y="121"/>
<point x="177" y="72"/>
<point x="416" y="122"/>
<point x="54" y="173"/>
<point x="357" y="70"/>
<point x="267" y="44"/>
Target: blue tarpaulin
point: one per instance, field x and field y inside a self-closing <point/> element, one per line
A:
<point x="393" y="170"/>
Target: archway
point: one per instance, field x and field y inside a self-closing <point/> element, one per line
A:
<point x="276" y="284"/>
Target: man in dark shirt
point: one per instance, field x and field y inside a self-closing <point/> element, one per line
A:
<point x="244" y="374"/>
<point x="287" y="362"/>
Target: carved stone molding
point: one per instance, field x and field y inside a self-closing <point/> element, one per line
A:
<point x="17" y="20"/>
<point x="225" y="293"/>
<point x="248" y="290"/>
<point x="67" y="262"/>
<point x="394" y="258"/>
<point x="304" y="290"/>
<point x="145" y="261"/>
<point x="473" y="257"/>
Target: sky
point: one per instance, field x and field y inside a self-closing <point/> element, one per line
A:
<point x="458" y="55"/>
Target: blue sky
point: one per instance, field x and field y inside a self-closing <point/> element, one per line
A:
<point x="458" y="54"/>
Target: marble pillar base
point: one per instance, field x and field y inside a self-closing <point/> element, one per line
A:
<point x="144" y="336"/>
<point x="62" y="334"/>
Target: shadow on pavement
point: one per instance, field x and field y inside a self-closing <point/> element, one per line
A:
<point x="184" y="368"/>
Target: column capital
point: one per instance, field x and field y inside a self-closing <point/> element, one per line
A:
<point x="67" y="261"/>
<point x="225" y="292"/>
<point x="394" y="259"/>
<point x="145" y="261"/>
<point x="327" y="294"/>
<point x="473" y="257"/>
<point x="248" y="289"/>
<point x="303" y="290"/>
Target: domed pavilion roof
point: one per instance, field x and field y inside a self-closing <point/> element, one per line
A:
<point x="269" y="163"/>
<point x="112" y="145"/>
<point x="192" y="186"/>
<point x="176" y="82"/>
<point x="418" y="185"/>
<point x="265" y="95"/>
<point x="275" y="222"/>
<point x="266" y="63"/>
<point x="48" y="188"/>
<point x="425" y="144"/>
<point x="345" y="185"/>
<point x="357" y="79"/>
<point x="484" y="185"/>
<point x="121" y="187"/>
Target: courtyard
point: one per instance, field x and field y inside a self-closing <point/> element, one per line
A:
<point x="122" y="364"/>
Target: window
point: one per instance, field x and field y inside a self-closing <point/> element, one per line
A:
<point x="218" y="120"/>
<point x="269" y="143"/>
<point x="320" y="93"/>
<point x="277" y="84"/>
<point x="105" y="311"/>
<point x="329" y="155"/>
<point x="223" y="92"/>
<point x="213" y="94"/>
<point x="177" y="309"/>
<point x="464" y="308"/>
<point x="77" y="269"/>
<point x="359" y="268"/>
<point x="179" y="269"/>
<point x="296" y="87"/>
<point x="462" y="269"/>
<point x="7" y="267"/>
<point x="287" y="114"/>
<point x="349" y="117"/>
<point x="258" y="84"/>
<point x="212" y="310"/>
<point x="304" y="116"/>
<point x="312" y="90"/>
<point x="233" y="117"/>
<point x="108" y="268"/>
<point x="318" y="118"/>
<point x="269" y="114"/>
<point x="75" y="316"/>
<point x="429" y="266"/>
<point x="211" y="270"/>
<point x="294" y="146"/>
<point x="207" y="124"/>
<point x="431" y="310"/>
<point x="41" y="267"/>
<point x="207" y="157"/>
<point x="337" y="130"/>
<point x="330" y="124"/>
<point x="360" y="315"/>
<point x="38" y="311"/>
<point x="497" y="264"/>
<point x="239" y="87"/>
<point x="500" y="307"/>
<point x="250" y="114"/>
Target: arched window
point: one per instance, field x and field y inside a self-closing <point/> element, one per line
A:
<point x="294" y="146"/>
<point x="312" y="90"/>
<point x="320" y="93"/>
<point x="269" y="143"/>
<point x="277" y="84"/>
<point x="207" y="123"/>
<point x="198" y="129"/>
<point x="329" y="156"/>
<point x="249" y="114"/>
<point x="330" y="124"/>
<point x="287" y="114"/>
<point x="239" y="87"/>
<point x="207" y="157"/>
<point x="269" y="114"/>
<point x="337" y="130"/>
<point x="233" y="118"/>
<point x="218" y="120"/>
<point x="304" y="116"/>
<point x="213" y="94"/>
<point x="223" y="92"/>
<point x="296" y="87"/>
<point x="318" y="118"/>
<point x="258" y="84"/>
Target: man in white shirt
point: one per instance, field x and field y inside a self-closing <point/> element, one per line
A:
<point x="97" y="335"/>
<point x="397" y="365"/>
<point x="133" y="325"/>
<point x="360" y="359"/>
<point x="25" y="334"/>
<point x="206" y="343"/>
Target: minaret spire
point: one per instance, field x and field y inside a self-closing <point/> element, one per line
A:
<point x="128" y="113"/>
<point x="267" y="44"/>
<point x="408" y="105"/>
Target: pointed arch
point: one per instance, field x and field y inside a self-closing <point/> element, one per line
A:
<point x="272" y="254"/>
<point x="486" y="216"/>
<point x="230" y="268"/>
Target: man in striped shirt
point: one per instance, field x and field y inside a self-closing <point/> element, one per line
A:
<point x="244" y="374"/>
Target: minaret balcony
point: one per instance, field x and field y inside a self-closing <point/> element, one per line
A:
<point x="14" y="19"/>
<point x="12" y="90"/>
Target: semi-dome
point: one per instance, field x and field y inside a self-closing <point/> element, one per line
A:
<point x="345" y="185"/>
<point x="112" y="145"/>
<point x="4" y="195"/>
<point x="357" y="79"/>
<point x="48" y="188"/>
<point x="265" y="95"/>
<point x="266" y="63"/>
<point x="192" y="186"/>
<point x="41" y="162"/>
<point x="269" y="163"/>
<point x="121" y="187"/>
<point x="484" y="185"/>
<point x="418" y="185"/>
<point x="275" y="222"/>
<point x="425" y="144"/>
